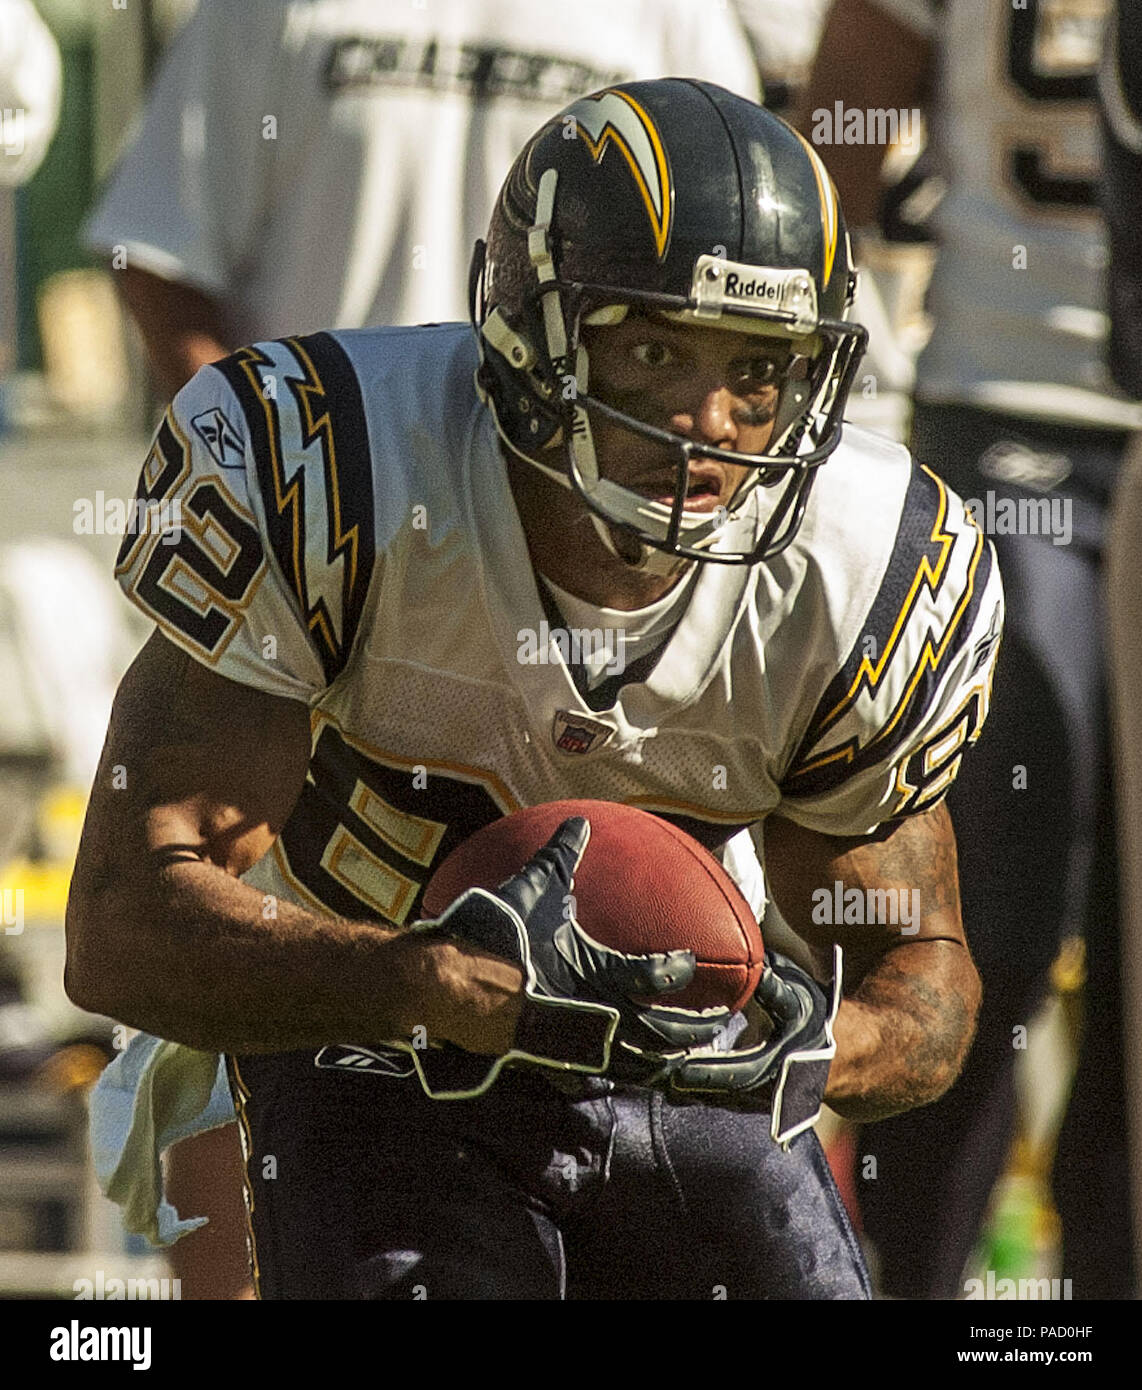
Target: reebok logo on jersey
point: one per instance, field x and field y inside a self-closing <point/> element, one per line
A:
<point x="986" y="644"/>
<point x="377" y="1061"/>
<point x="1008" y="461"/>
<point x="222" y="440"/>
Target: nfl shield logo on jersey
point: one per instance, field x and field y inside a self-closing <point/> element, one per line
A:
<point x="574" y="733"/>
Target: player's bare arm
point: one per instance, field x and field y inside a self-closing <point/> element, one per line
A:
<point x="866" y="59"/>
<point x="162" y="935"/>
<point x="909" y="1014"/>
<point x="183" y="327"/>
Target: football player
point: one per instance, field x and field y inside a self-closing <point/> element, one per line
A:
<point x="398" y="123"/>
<point x="643" y="436"/>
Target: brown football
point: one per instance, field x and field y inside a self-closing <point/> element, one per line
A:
<point x="643" y="885"/>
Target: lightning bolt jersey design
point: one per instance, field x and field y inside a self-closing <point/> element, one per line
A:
<point x="313" y="479"/>
<point x="287" y="494"/>
<point x="368" y="559"/>
<point x="923" y="618"/>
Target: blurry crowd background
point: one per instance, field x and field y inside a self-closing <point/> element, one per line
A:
<point x="179" y="178"/>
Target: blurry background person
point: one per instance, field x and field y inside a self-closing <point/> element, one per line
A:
<point x="29" y="90"/>
<point x="29" y="110"/>
<point x="1013" y="401"/>
<point x="32" y="739"/>
<point x="296" y="167"/>
<point x="62" y="653"/>
<point x="1120" y="91"/>
<point x="784" y="35"/>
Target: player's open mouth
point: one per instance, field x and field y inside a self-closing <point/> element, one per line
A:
<point x="703" y="495"/>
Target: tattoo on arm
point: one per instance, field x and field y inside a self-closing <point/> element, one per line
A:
<point x="925" y="1022"/>
<point x="911" y="996"/>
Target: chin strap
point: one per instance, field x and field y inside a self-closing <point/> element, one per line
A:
<point x="649" y="561"/>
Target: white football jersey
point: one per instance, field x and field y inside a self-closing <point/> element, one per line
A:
<point x="345" y="535"/>
<point x="317" y="163"/>
<point x="1018" y="294"/>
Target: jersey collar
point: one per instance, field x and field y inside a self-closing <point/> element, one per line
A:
<point x="692" y="653"/>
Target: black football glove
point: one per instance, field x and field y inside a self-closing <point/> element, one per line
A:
<point x="784" y="1075"/>
<point x="577" y="1013"/>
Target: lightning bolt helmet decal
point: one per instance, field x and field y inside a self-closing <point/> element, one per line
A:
<point x="615" y="117"/>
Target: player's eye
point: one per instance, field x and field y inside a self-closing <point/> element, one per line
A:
<point x="653" y="353"/>
<point x="756" y="373"/>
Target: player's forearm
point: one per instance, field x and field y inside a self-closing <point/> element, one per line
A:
<point x="203" y="959"/>
<point x="183" y="328"/>
<point x="865" y="60"/>
<point x="903" y="1035"/>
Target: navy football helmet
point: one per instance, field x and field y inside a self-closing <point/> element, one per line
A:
<point x="677" y="198"/>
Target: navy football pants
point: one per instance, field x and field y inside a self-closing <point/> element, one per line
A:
<point x="529" y="1192"/>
